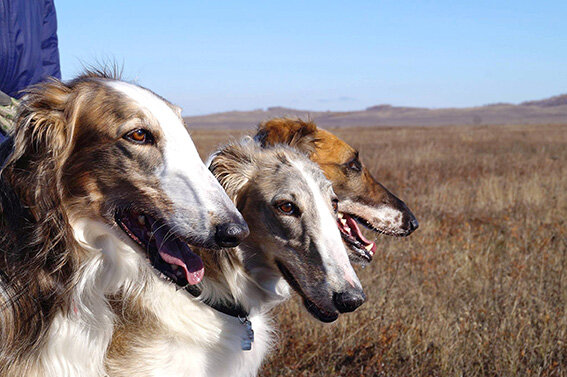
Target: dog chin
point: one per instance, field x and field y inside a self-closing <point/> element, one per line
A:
<point x="316" y="310"/>
<point x="319" y="313"/>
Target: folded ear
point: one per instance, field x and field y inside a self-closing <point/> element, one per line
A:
<point x="42" y="139"/>
<point x="296" y="133"/>
<point x="41" y="127"/>
<point x="233" y="166"/>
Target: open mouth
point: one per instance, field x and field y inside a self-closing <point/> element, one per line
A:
<point x="321" y="314"/>
<point x="167" y="253"/>
<point x="353" y="236"/>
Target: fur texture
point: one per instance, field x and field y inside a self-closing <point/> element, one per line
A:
<point x="362" y="198"/>
<point x="285" y="251"/>
<point x="72" y="167"/>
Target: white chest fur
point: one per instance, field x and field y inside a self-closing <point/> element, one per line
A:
<point x="200" y="341"/>
<point x="192" y="338"/>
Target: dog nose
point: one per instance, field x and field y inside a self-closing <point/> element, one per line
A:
<point x="349" y="300"/>
<point x="413" y="224"/>
<point x="231" y="234"/>
<point x="409" y="223"/>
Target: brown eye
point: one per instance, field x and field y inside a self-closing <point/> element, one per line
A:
<point x="354" y="165"/>
<point x="287" y="208"/>
<point x="140" y="136"/>
<point x="335" y="203"/>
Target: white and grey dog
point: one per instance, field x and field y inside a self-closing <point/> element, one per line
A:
<point x="294" y="243"/>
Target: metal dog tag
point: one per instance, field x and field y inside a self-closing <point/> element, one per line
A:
<point x="246" y="342"/>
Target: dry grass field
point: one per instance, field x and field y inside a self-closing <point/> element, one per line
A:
<point x="480" y="289"/>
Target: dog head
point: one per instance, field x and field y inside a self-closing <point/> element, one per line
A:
<point x="362" y="199"/>
<point x="290" y="205"/>
<point x="103" y="149"/>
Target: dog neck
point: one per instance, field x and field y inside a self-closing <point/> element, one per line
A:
<point x="233" y="309"/>
<point x="240" y="281"/>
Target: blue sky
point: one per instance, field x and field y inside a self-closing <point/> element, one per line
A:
<point x="323" y="55"/>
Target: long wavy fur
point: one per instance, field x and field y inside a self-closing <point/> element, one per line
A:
<point x="36" y="240"/>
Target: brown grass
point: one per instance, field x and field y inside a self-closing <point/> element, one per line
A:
<point x="480" y="289"/>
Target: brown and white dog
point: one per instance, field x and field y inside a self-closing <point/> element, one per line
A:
<point x="361" y="198"/>
<point x="87" y="160"/>
<point x="293" y="244"/>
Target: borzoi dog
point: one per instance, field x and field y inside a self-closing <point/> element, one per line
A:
<point x="361" y="198"/>
<point x="87" y="160"/>
<point x="294" y="244"/>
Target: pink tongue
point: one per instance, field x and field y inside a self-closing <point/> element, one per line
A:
<point x="178" y="253"/>
<point x="353" y="225"/>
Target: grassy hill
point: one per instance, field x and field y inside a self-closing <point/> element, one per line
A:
<point x="548" y="111"/>
<point x="480" y="289"/>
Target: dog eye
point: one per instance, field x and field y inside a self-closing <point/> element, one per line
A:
<point x="354" y="165"/>
<point x="335" y="203"/>
<point x="140" y="136"/>
<point x="288" y="208"/>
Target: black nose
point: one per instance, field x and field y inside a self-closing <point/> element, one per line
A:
<point x="413" y="224"/>
<point x="409" y="222"/>
<point x="231" y="234"/>
<point x="349" y="300"/>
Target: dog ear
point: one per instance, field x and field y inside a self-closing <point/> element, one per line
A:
<point x="233" y="166"/>
<point x="41" y="127"/>
<point x="35" y="226"/>
<point x="42" y="139"/>
<point x="296" y="133"/>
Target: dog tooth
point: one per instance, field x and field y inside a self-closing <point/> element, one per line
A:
<point x="343" y="221"/>
<point x="340" y="215"/>
<point x="368" y="247"/>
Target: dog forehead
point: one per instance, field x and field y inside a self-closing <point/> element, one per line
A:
<point x="180" y="154"/>
<point x="295" y="174"/>
<point x="167" y="118"/>
<point x="331" y="148"/>
<point x="314" y="173"/>
<point x="280" y="178"/>
<point x="311" y="179"/>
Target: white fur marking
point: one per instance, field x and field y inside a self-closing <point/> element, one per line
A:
<point x="389" y="215"/>
<point x="384" y="217"/>
<point x="184" y="177"/>
<point x="333" y="251"/>
<point x="77" y="342"/>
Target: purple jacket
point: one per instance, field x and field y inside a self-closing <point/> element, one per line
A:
<point x="28" y="44"/>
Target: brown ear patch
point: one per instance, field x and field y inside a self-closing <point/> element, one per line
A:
<point x="42" y="120"/>
<point x="42" y="140"/>
<point x="296" y="133"/>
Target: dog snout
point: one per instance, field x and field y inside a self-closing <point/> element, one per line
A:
<point x="410" y="222"/>
<point x="231" y="234"/>
<point x="413" y="224"/>
<point x="349" y="300"/>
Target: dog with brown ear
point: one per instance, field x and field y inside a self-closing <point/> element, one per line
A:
<point x="102" y="197"/>
<point x="362" y="199"/>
